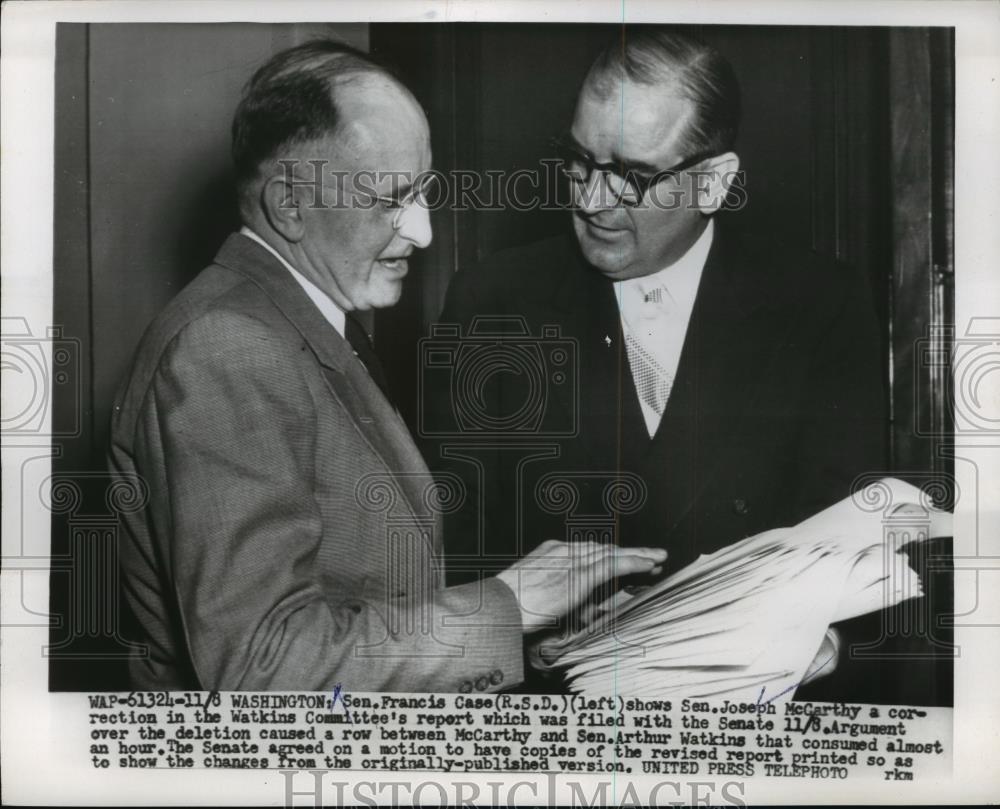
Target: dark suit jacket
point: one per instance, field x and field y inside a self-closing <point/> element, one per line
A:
<point x="778" y="403"/>
<point x="290" y="540"/>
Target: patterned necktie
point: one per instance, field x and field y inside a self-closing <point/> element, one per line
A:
<point x="652" y="381"/>
<point x="364" y="351"/>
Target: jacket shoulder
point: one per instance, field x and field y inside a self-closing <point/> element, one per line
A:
<point x="219" y="311"/>
<point x="798" y="275"/>
<point x="216" y="297"/>
<point x="526" y="271"/>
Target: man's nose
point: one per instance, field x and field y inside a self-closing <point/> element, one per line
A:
<point x="415" y="224"/>
<point x="594" y="195"/>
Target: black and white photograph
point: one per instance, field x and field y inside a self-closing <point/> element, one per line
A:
<point x="599" y="398"/>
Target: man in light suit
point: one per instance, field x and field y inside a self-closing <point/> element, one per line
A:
<point x="736" y="380"/>
<point x="291" y="539"/>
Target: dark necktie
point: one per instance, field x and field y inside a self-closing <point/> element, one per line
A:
<point x="364" y="351"/>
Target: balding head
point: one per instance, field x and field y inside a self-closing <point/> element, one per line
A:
<point x="307" y="94"/>
<point x="373" y="111"/>
<point x="328" y="146"/>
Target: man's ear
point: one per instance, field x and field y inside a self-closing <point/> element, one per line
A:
<point x="278" y="202"/>
<point x="714" y="181"/>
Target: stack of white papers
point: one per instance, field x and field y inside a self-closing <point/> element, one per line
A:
<point x="746" y="622"/>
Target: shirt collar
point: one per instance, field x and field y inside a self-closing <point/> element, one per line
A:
<point x="679" y="280"/>
<point x="333" y="314"/>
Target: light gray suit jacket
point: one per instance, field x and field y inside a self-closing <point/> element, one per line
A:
<point x="292" y="536"/>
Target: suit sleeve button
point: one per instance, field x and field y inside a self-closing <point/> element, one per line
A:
<point x="496" y="677"/>
<point x="465" y="687"/>
<point x="740" y="506"/>
<point x="482" y="683"/>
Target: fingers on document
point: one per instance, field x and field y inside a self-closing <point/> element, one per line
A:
<point x="609" y="560"/>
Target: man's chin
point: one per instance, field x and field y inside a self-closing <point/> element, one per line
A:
<point x="608" y="261"/>
<point x="386" y="294"/>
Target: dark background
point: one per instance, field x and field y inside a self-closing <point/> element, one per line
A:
<point x="847" y="143"/>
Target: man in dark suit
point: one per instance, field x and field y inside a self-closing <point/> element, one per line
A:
<point x="291" y="538"/>
<point x="725" y="384"/>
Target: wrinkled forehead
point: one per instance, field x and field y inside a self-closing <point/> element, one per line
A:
<point x="627" y="120"/>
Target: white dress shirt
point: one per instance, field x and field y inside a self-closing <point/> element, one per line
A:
<point x="334" y="314"/>
<point x="656" y="309"/>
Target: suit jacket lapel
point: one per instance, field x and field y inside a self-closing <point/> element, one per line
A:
<point x="732" y="331"/>
<point x="609" y="417"/>
<point x="347" y="378"/>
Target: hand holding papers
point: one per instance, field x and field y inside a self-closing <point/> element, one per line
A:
<point x="746" y="622"/>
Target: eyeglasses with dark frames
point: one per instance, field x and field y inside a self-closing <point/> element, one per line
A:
<point x="628" y="184"/>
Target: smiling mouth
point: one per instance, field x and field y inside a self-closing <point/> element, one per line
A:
<point x="397" y="264"/>
<point x="600" y="232"/>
